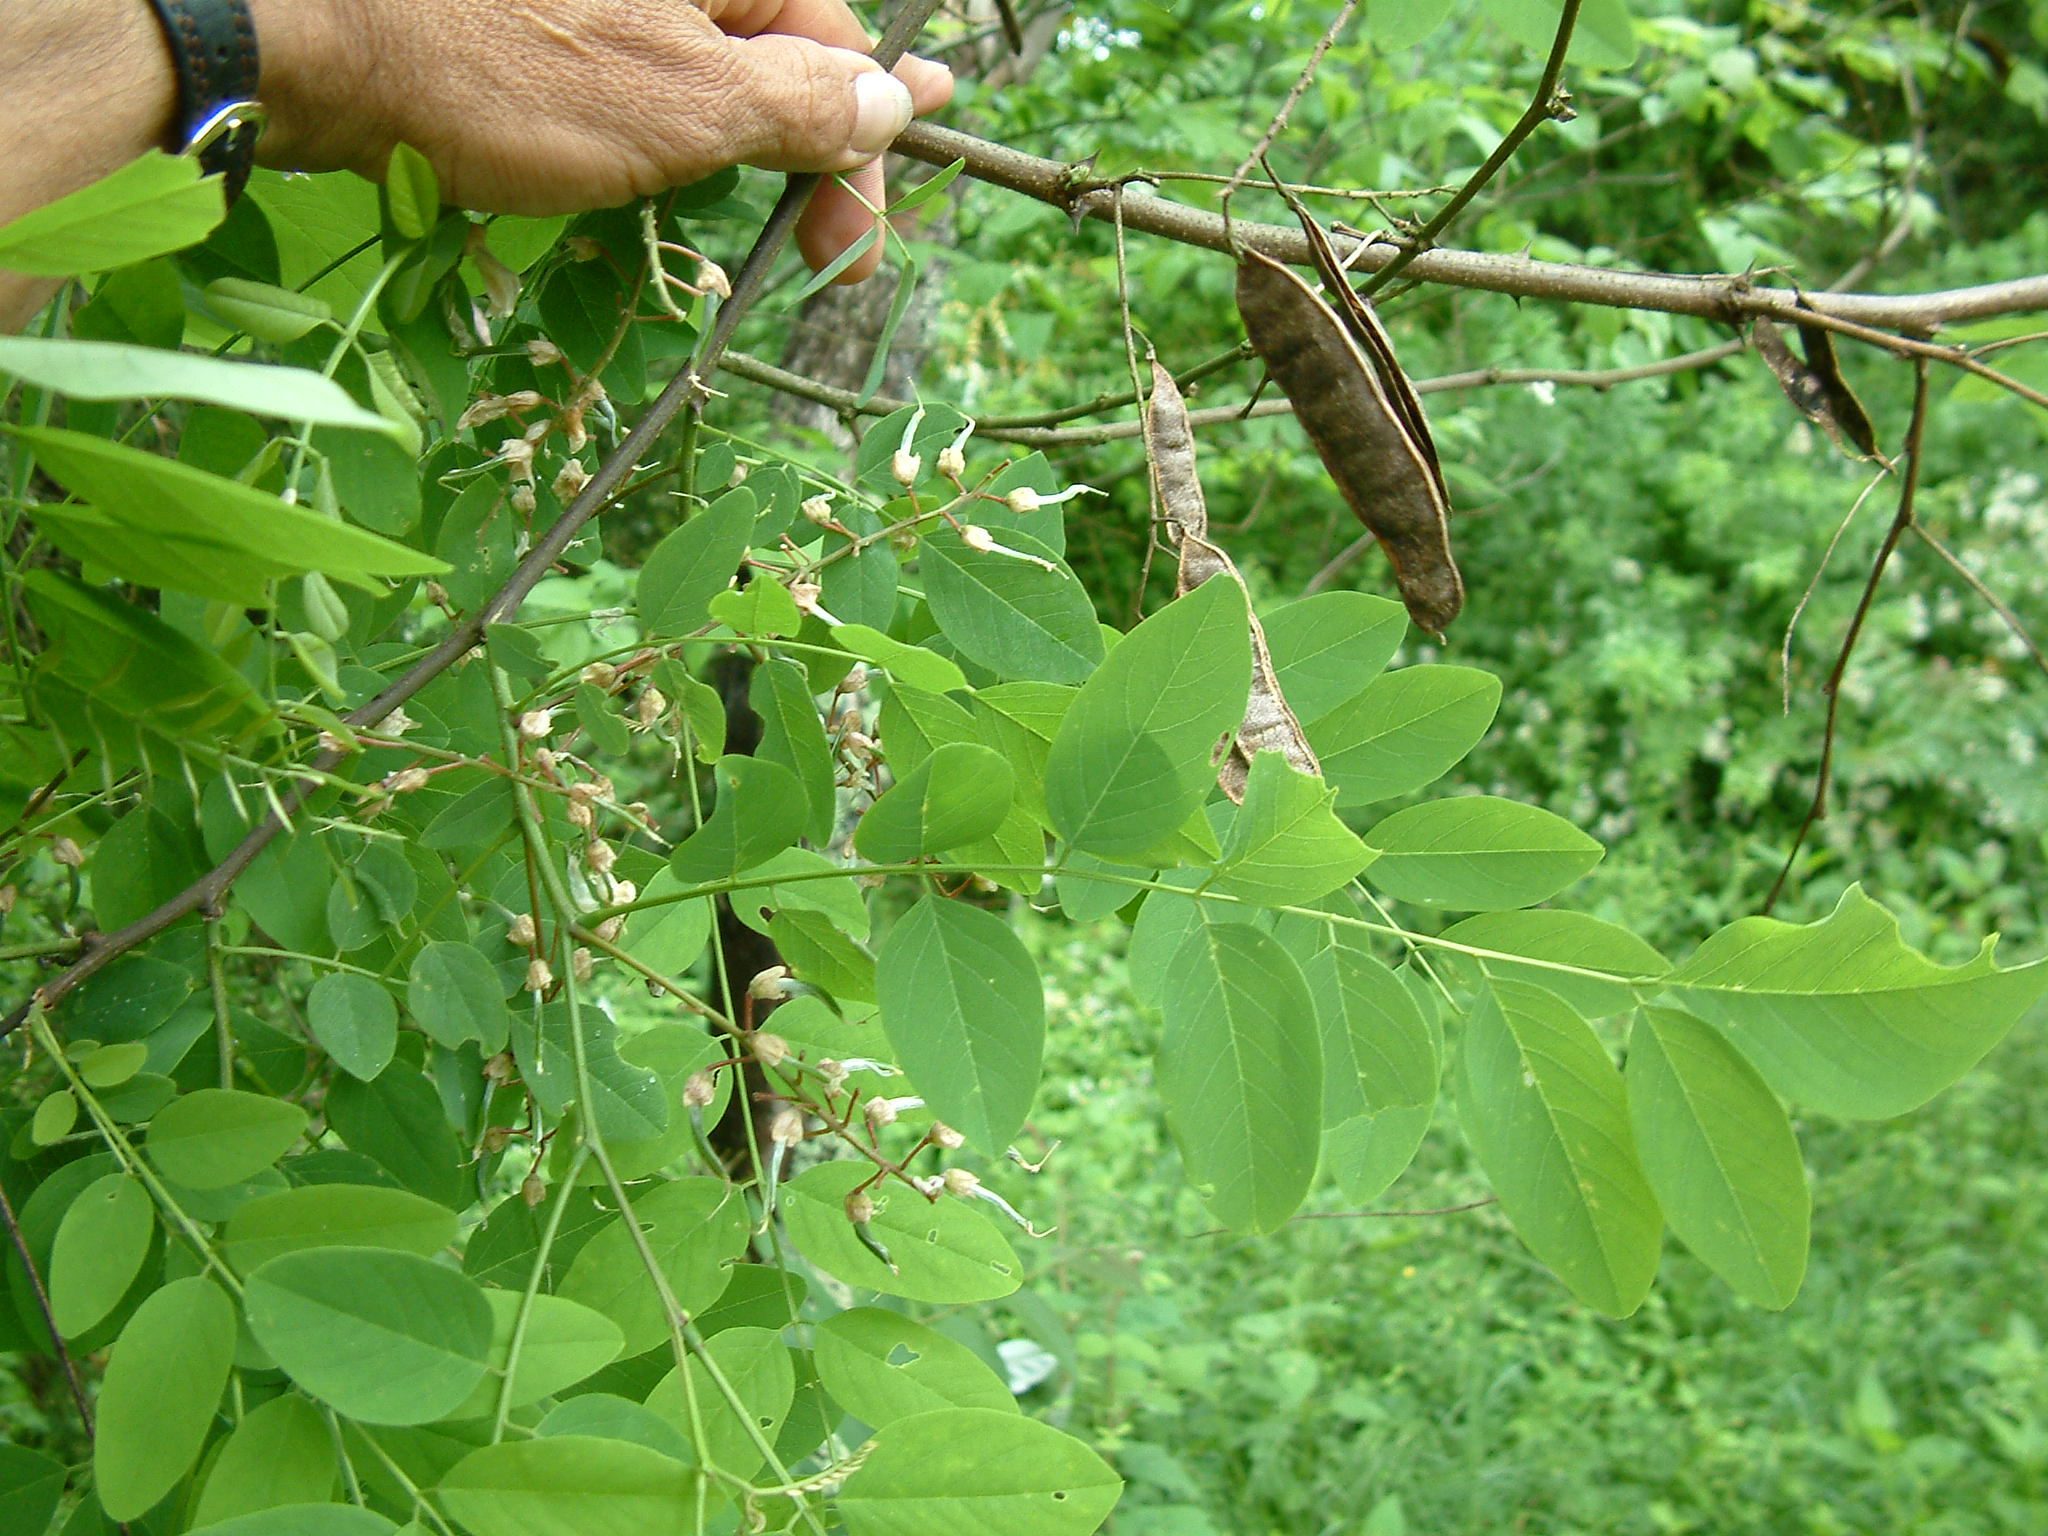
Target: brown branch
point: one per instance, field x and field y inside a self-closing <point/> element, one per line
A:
<point x="42" y="1294"/>
<point x="686" y="389"/>
<point x="1908" y="489"/>
<point x="995" y="429"/>
<point x="1546" y="102"/>
<point x="1075" y="189"/>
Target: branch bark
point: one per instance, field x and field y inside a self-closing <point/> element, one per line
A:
<point x="1728" y="299"/>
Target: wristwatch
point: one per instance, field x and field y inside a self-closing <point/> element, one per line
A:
<point x="213" y="50"/>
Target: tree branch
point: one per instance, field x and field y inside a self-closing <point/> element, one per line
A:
<point x="1081" y="194"/>
<point x="849" y="402"/>
<point x="1908" y="490"/>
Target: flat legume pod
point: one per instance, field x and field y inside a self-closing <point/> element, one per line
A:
<point x="1366" y="440"/>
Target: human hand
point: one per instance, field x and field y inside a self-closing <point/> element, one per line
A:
<point x="555" y="106"/>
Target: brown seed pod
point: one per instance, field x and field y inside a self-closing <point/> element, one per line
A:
<point x="1374" y="441"/>
<point x="1269" y="724"/>
<point x="1843" y="405"/>
<point x="1816" y="387"/>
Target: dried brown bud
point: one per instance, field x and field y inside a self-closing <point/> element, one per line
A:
<point x="522" y="930"/>
<point x="539" y="976"/>
<point x="699" y="1089"/>
<point x="533" y="1190"/>
<point x="536" y="724"/>
<point x="582" y="965"/>
<point x="405" y="780"/>
<point x="786" y="1129"/>
<point x="769" y="1050"/>
<point x="945" y="1136"/>
<point x="67" y="853"/>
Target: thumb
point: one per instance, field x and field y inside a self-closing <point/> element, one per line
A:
<point x="798" y="105"/>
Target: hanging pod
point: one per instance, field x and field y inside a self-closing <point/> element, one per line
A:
<point x="1358" y="409"/>
<point x="1269" y="724"/>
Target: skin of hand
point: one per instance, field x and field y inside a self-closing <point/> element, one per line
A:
<point x="522" y="106"/>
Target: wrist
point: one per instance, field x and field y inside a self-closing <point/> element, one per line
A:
<point x="89" y="87"/>
<point x="315" y="77"/>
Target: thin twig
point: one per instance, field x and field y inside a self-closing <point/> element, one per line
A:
<point x="1833" y="687"/>
<point x="1812" y="586"/>
<point x="1544" y="104"/>
<point x="42" y="1295"/>
<point x="1976" y="584"/>
<point x="1301" y="83"/>
<point x="1003" y="429"/>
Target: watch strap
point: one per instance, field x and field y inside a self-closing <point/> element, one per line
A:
<point x="213" y="50"/>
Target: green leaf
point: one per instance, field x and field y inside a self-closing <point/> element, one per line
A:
<point x="1403" y="23"/>
<point x="793" y="735"/>
<point x="398" y="1123"/>
<point x="1132" y="759"/>
<point x="1567" y="938"/>
<point x="758" y="1367"/>
<point x="960" y="793"/>
<point x="669" y="938"/>
<point x="355" y="1022"/>
<point x="1720" y="1154"/>
<point x="762" y="608"/>
<point x="112" y="1065"/>
<point x="1240" y="1073"/>
<point x="281" y="1453"/>
<point x="412" y="193"/>
<point x="606" y="1417"/>
<point x="693" y="565"/>
<point x="99" y="1250"/>
<point x="335" y="1216"/>
<point x="1285" y="845"/>
<point x="694" y="1228"/>
<point x="384" y="1337"/>
<point x="164" y="1380"/>
<point x="273" y="314"/>
<point x="965" y="1015"/>
<point x="822" y="955"/>
<point x="978" y="1472"/>
<point x="1604" y="37"/>
<point x="111" y="370"/>
<point x="31" y="1487"/>
<point x="1405" y="730"/>
<point x="1840" y="1016"/>
<point x="150" y="207"/>
<point x="169" y="503"/>
<point x="1378" y="1050"/>
<point x="454" y="995"/>
<point x="306" y="1520"/>
<point x="1367" y="1153"/>
<point x="213" y="1137"/>
<point x="1329" y="647"/>
<point x="761" y="810"/>
<point x="1545" y="1112"/>
<point x="564" y="1342"/>
<point x="1015" y="617"/>
<point x="135" y="665"/>
<point x="911" y="664"/>
<point x="940" y="1252"/>
<point x="1478" y="852"/>
<point x="54" y="1118"/>
<point x="570" y="1485"/>
<point x="880" y="1367"/>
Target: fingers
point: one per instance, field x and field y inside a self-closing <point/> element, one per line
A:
<point x="798" y="105"/>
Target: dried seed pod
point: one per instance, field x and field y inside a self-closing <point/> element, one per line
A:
<point x="1375" y="443"/>
<point x="1815" y="387"/>
<point x="1843" y="405"/>
<point x="1269" y="724"/>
